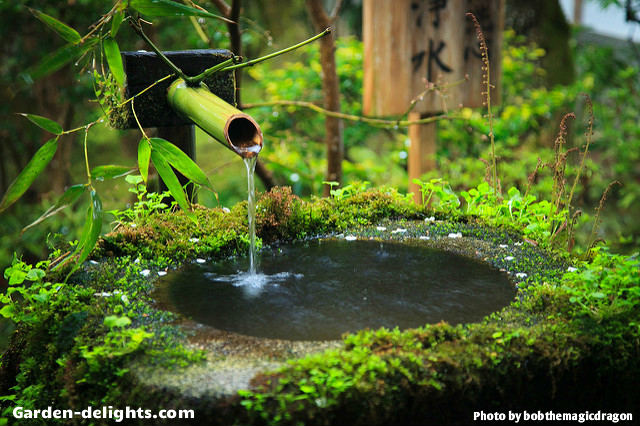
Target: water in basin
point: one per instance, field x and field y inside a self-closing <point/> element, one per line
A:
<point x="319" y="289"/>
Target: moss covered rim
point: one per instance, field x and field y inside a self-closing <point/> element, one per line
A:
<point x="563" y="339"/>
<point x="234" y="359"/>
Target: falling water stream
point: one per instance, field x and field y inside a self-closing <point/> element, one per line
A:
<point x="250" y="163"/>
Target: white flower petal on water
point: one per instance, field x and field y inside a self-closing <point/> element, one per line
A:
<point x="350" y="238"/>
<point x="162" y="273"/>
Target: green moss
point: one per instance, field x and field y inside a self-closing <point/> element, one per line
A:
<point x="563" y="335"/>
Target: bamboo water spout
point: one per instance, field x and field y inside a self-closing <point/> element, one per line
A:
<point x="234" y="129"/>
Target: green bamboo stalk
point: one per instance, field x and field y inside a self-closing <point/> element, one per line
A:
<point x="225" y="123"/>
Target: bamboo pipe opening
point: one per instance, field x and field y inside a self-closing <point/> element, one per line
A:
<point x="243" y="135"/>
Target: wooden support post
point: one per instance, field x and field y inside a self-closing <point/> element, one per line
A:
<point x="184" y="137"/>
<point x="422" y="152"/>
<point x="411" y="44"/>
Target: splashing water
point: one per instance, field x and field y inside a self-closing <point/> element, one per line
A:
<point x="250" y="163"/>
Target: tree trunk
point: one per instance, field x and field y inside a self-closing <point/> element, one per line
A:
<point x="235" y="35"/>
<point x="331" y="90"/>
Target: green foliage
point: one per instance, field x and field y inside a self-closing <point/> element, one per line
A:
<point x="61" y="57"/>
<point x="30" y="172"/>
<point x="296" y="152"/>
<point x="62" y="29"/>
<point x="44" y="123"/>
<point x="157" y="8"/>
<point x="445" y="198"/>
<point x="114" y="59"/>
<point x="605" y="287"/>
<point x="108" y="89"/>
<point x="147" y="204"/>
<point x="32" y="298"/>
<point x="118" y="342"/>
<point x="81" y="337"/>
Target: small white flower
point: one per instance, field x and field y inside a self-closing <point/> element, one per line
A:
<point x="350" y="238"/>
<point x="162" y="273"/>
<point x="200" y="260"/>
<point x="124" y="299"/>
<point x="455" y="235"/>
<point x="145" y="272"/>
<point x="103" y="294"/>
<point x="521" y="275"/>
<point x="509" y="258"/>
<point x="226" y="209"/>
<point x="571" y="269"/>
<point x="381" y="228"/>
<point x="518" y="244"/>
<point x="503" y="246"/>
<point x="137" y="260"/>
<point x="133" y="225"/>
<point x="399" y="231"/>
<point x="93" y="262"/>
<point x="424" y="237"/>
<point x="194" y="240"/>
<point x="430" y="219"/>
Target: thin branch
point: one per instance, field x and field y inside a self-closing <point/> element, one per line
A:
<point x="133" y="109"/>
<point x="103" y="20"/>
<point x="206" y="73"/>
<point x="379" y="122"/>
<point x="278" y="53"/>
<point x="138" y="29"/>
<point x="145" y="89"/>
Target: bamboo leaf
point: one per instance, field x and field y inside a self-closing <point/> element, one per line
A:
<point x="180" y="161"/>
<point x="44" y="123"/>
<point x="110" y="171"/>
<point x="144" y="155"/>
<point x="116" y="20"/>
<point x="114" y="59"/>
<point x="56" y="60"/>
<point x="90" y="233"/>
<point x="63" y="30"/>
<point x="156" y="8"/>
<point x="32" y="170"/>
<point x="69" y="197"/>
<point x="171" y="180"/>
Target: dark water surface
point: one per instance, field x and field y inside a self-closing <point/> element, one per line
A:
<point x="320" y="289"/>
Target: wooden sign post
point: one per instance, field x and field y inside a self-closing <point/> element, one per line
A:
<point x="409" y="44"/>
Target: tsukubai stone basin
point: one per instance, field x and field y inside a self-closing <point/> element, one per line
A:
<point x="320" y="289"/>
